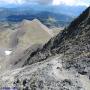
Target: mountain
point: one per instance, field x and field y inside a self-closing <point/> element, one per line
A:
<point x="31" y="32"/>
<point x="5" y="34"/>
<point x="73" y="11"/>
<point x="61" y="64"/>
<point x="62" y="15"/>
<point x="74" y="37"/>
<point x="25" y="34"/>
<point x="59" y="19"/>
<point x="60" y="9"/>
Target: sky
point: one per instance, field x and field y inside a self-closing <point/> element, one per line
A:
<point x="51" y="2"/>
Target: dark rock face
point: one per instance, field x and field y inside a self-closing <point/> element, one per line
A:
<point x="73" y="42"/>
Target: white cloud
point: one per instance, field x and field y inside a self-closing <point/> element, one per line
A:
<point x="53" y="2"/>
<point x="71" y="2"/>
<point x="45" y="1"/>
<point x="12" y="1"/>
<point x="68" y="2"/>
<point x="25" y="1"/>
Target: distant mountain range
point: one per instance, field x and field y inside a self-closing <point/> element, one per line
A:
<point x="47" y="18"/>
<point x="57" y="16"/>
<point x="60" y="9"/>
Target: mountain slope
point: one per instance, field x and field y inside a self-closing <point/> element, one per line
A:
<point x="26" y="34"/>
<point x="43" y="69"/>
<point x="73" y="42"/>
<point x="5" y="37"/>
<point x="29" y="33"/>
<point x="46" y="75"/>
<point x="21" y="34"/>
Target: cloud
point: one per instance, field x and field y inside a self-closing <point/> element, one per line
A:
<point x="12" y="1"/>
<point x="71" y="2"/>
<point x="52" y="2"/>
<point x="26" y="1"/>
<point x="45" y="1"/>
<point x="68" y="2"/>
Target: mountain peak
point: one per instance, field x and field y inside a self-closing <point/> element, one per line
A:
<point x="35" y="20"/>
<point x="25" y="21"/>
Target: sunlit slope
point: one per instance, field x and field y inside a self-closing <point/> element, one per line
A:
<point x="23" y="36"/>
<point x="5" y="37"/>
<point x="31" y="32"/>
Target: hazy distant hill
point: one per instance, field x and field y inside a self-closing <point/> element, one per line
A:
<point x="60" y="9"/>
<point x="62" y="15"/>
<point x="57" y="19"/>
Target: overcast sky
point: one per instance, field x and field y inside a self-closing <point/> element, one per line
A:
<point x="52" y="2"/>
